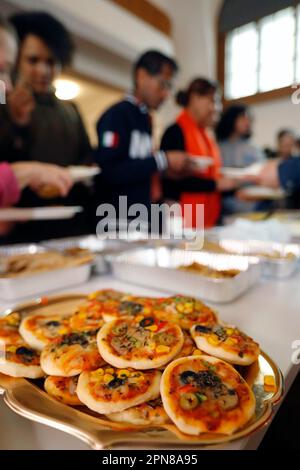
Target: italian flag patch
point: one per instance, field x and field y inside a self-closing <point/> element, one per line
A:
<point x="110" y="139"/>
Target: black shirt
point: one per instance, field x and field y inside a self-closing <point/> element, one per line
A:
<point x="173" y="139"/>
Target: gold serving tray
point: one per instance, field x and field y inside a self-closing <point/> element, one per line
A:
<point x="28" y="399"/>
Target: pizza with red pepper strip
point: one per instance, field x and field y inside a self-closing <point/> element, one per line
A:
<point x="71" y="354"/>
<point x="109" y="390"/>
<point x="141" y="343"/>
<point x="202" y="394"/>
<point x="63" y="389"/>
<point x="227" y="343"/>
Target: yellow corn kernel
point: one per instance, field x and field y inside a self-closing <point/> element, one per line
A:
<point x="152" y="344"/>
<point x="109" y="370"/>
<point x="62" y="331"/>
<point x="229" y="331"/>
<point x="147" y="310"/>
<point x="11" y="349"/>
<point x="152" y="328"/>
<point x="139" y="318"/>
<point x="162" y="349"/>
<point x="231" y="341"/>
<point x="213" y="340"/>
<point x="138" y="377"/>
<point x="180" y="308"/>
<point x="107" y="378"/>
<point x="197" y="352"/>
<point x="123" y="373"/>
<point x="81" y="315"/>
<point x="188" y="308"/>
<point x="98" y="372"/>
<point x="92" y="296"/>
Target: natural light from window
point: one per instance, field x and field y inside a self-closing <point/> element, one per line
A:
<point x="261" y="56"/>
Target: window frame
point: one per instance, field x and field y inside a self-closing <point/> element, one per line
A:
<point x="260" y="96"/>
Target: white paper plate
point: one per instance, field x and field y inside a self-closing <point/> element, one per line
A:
<point x="83" y="173"/>
<point x="16" y="214"/>
<point x="252" y="170"/>
<point x="201" y="163"/>
<point x="262" y="192"/>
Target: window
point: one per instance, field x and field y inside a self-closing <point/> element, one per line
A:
<point x="263" y="55"/>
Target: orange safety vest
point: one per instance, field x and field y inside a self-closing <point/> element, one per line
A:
<point x="199" y="142"/>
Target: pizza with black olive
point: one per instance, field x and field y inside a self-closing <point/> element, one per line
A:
<point x="141" y="343"/>
<point x="63" y="389"/>
<point x="151" y="413"/>
<point x="109" y="390"/>
<point x="20" y="360"/>
<point x="39" y="330"/>
<point x="227" y="343"/>
<point x="185" y="311"/>
<point x="202" y="394"/>
<point x="71" y="354"/>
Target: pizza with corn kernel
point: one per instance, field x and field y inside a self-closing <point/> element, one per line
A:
<point x="110" y="390"/>
<point x="63" y="389"/>
<point x="203" y="394"/>
<point x="151" y="413"/>
<point x="20" y="360"/>
<point x="141" y="343"/>
<point x="39" y="330"/>
<point x="9" y="328"/>
<point x="71" y="354"/>
<point x="227" y="343"/>
<point x="185" y="311"/>
<point x="127" y="306"/>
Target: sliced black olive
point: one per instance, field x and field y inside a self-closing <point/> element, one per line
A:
<point x="115" y="383"/>
<point x="23" y="351"/>
<point x="241" y="354"/>
<point x="53" y="323"/>
<point x="75" y="338"/>
<point x="206" y="378"/>
<point x="188" y="377"/>
<point x="148" y="321"/>
<point x="202" y="329"/>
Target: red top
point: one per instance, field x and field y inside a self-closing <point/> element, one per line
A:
<point x="9" y="188"/>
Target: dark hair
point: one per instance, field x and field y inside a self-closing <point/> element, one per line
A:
<point x="48" y="29"/>
<point x="283" y="132"/>
<point x="225" y="126"/>
<point x="153" y="62"/>
<point x="199" y="86"/>
<point x="7" y="26"/>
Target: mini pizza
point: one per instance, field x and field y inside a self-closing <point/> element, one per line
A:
<point x="185" y="311"/>
<point x="39" y="330"/>
<point x="127" y="306"/>
<point x="109" y="390"/>
<point x="20" y="360"/>
<point x="151" y="413"/>
<point x="227" y="343"/>
<point x="9" y="328"/>
<point x="71" y="354"/>
<point x="202" y="394"/>
<point x="140" y="343"/>
<point x="63" y="389"/>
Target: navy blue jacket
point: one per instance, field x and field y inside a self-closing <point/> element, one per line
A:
<point x="125" y="153"/>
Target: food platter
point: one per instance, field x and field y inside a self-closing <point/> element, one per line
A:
<point x="28" y="399"/>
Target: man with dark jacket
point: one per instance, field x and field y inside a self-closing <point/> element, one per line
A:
<point x="125" y="150"/>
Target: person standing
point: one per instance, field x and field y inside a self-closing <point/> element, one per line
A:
<point x="125" y="151"/>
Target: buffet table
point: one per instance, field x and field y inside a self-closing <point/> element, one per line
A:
<point x="269" y="312"/>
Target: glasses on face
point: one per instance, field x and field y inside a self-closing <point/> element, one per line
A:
<point x="165" y="85"/>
